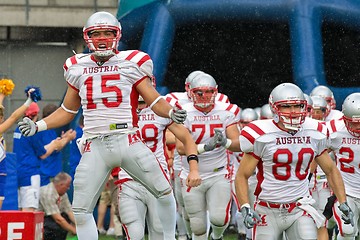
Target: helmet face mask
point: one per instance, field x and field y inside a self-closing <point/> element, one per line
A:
<point x="351" y="111"/>
<point x="288" y="104"/>
<point x="203" y="98"/>
<point x="203" y="90"/>
<point x="102" y="33"/>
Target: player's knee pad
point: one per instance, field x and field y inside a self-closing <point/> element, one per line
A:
<point x="81" y="217"/>
<point x="198" y="225"/>
<point x="217" y="218"/>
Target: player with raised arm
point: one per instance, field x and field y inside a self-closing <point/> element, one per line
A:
<point x="282" y="149"/>
<point x="107" y="83"/>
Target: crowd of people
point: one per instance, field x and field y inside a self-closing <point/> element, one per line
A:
<point x="287" y="170"/>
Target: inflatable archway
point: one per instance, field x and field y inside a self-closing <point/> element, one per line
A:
<point x="159" y="20"/>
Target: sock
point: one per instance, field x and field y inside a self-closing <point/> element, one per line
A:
<point x="201" y="237"/>
<point x="187" y="224"/>
<point x="166" y="208"/>
<point x="217" y="232"/>
<point x="180" y="224"/>
<point x="85" y="226"/>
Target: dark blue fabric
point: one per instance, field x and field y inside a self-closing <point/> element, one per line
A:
<point x="52" y="165"/>
<point x="27" y="150"/>
<point x="11" y="186"/>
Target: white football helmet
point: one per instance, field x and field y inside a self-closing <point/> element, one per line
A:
<point x="288" y="95"/>
<point x="320" y="108"/>
<point x="102" y="21"/>
<point x="309" y="104"/>
<point x="351" y="111"/>
<point x="246" y="116"/>
<point x="189" y="78"/>
<point x="265" y="112"/>
<point x="326" y="93"/>
<point x="203" y="90"/>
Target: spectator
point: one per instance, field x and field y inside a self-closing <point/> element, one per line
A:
<point x="54" y="202"/>
<point x="29" y="152"/>
<point x="6" y="89"/>
<point x="52" y="165"/>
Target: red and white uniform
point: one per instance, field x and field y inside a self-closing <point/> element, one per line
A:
<point x="109" y="101"/>
<point x="109" y="89"/>
<point x="347" y="154"/>
<point x="334" y="114"/>
<point x="282" y="174"/>
<point x="132" y="194"/>
<point x="212" y="169"/>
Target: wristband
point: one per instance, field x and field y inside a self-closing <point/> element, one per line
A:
<point x="247" y="205"/>
<point x="28" y="102"/>
<point x="68" y="110"/>
<point x="41" y="125"/>
<point x="192" y="157"/>
<point x="170" y="112"/>
<point x="228" y="143"/>
<point x="200" y="148"/>
<point x="154" y="102"/>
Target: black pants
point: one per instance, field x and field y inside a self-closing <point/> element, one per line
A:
<point x="52" y="230"/>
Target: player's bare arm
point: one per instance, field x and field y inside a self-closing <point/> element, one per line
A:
<point x="190" y="148"/>
<point x="152" y="98"/>
<point x="246" y="169"/>
<point x="333" y="175"/>
<point x="232" y="133"/>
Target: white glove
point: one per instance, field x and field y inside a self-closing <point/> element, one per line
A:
<point x="27" y="127"/>
<point x="221" y="139"/>
<point x="348" y="215"/>
<point x="250" y="216"/>
<point x="177" y="115"/>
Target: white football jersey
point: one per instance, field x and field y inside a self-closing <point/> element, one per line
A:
<point x="107" y="89"/>
<point x="201" y="127"/>
<point x="334" y="114"/>
<point x="284" y="159"/>
<point x="152" y="130"/>
<point x="182" y="98"/>
<point x="347" y="154"/>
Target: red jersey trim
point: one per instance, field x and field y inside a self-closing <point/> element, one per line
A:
<point x="332" y="125"/>
<point x="248" y="136"/>
<point x="143" y="60"/>
<point x="256" y="129"/>
<point x="73" y="87"/>
<point x="132" y="55"/>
